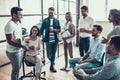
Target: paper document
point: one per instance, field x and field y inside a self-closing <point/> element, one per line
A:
<point x="67" y="34"/>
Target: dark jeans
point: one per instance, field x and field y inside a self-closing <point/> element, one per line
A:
<point x="16" y="60"/>
<point x="84" y="44"/>
<point x="51" y="51"/>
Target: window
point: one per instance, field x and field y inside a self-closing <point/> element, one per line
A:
<point x="99" y="9"/>
<point x="30" y="6"/>
<point x="3" y="22"/>
<point x="113" y="4"/>
<point x="6" y="5"/>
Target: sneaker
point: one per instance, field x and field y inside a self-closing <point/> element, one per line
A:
<point x="68" y="69"/>
<point x="63" y="69"/>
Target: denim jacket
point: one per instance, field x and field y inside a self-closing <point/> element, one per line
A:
<point x="45" y="27"/>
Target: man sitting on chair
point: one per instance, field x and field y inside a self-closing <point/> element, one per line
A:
<point x="93" y="57"/>
<point x="32" y="42"/>
<point x="110" y="70"/>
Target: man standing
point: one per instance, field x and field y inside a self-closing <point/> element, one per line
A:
<point x="51" y="26"/>
<point x="13" y="32"/>
<point x="93" y="57"/>
<point x="86" y="24"/>
<point x="110" y="70"/>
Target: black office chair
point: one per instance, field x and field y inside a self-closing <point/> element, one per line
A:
<point x="103" y="59"/>
<point x="32" y="73"/>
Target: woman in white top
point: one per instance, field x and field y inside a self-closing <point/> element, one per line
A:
<point x="32" y="42"/>
<point x="67" y="35"/>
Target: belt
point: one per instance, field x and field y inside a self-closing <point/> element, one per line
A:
<point x="84" y="37"/>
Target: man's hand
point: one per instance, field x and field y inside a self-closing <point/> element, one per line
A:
<point x="24" y="47"/>
<point x="79" y="76"/>
<point x="80" y="62"/>
<point x="56" y="30"/>
<point x="82" y="30"/>
<point x="85" y="30"/>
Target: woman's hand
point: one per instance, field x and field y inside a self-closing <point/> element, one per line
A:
<point x="31" y="47"/>
<point x="37" y="48"/>
<point x="64" y="38"/>
<point x="104" y="40"/>
<point x="27" y="40"/>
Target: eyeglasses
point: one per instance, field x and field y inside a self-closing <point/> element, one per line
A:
<point x="35" y="30"/>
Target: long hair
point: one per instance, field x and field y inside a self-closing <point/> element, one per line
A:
<point x="116" y="15"/>
<point x="37" y="30"/>
<point x="70" y="16"/>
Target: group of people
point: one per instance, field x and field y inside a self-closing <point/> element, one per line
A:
<point x="89" y="66"/>
<point x="91" y="49"/>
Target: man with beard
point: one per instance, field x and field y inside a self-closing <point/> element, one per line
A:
<point x="85" y="29"/>
<point x="50" y="29"/>
<point x="92" y="58"/>
<point x="110" y="70"/>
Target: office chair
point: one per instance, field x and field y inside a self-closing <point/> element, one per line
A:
<point x="32" y="73"/>
<point x="103" y="59"/>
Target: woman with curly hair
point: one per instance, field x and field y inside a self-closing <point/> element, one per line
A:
<point x="114" y="18"/>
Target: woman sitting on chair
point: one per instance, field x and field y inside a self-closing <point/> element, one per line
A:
<point x="32" y="42"/>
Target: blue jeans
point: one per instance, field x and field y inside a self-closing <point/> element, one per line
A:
<point x="15" y="59"/>
<point x="51" y="51"/>
<point x="86" y="65"/>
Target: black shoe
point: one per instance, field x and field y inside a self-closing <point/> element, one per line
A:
<point x="52" y="69"/>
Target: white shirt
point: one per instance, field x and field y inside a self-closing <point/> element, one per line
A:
<point x="15" y="29"/>
<point x="32" y="43"/>
<point x="51" y="34"/>
<point x="86" y="23"/>
<point x="66" y="32"/>
<point x="66" y="26"/>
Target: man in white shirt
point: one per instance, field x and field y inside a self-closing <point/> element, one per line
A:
<point x="13" y="32"/>
<point x="86" y="24"/>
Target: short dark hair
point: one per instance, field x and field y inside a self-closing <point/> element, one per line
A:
<point x="36" y="28"/>
<point x="14" y="10"/>
<point x="51" y="8"/>
<point x="116" y="41"/>
<point x="84" y="7"/>
<point x="98" y="27"/>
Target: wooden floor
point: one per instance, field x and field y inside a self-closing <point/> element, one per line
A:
<point x="59" y="75"/>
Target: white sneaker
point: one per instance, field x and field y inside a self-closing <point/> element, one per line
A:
<point x="68" y="69"/>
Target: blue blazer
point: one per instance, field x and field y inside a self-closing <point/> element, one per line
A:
<point x="45" y="29"/>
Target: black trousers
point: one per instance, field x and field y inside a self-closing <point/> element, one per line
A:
<point x="84" y="44"/>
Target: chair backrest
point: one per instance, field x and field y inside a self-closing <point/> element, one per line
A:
<point x="102" y="62"/>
